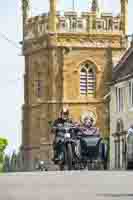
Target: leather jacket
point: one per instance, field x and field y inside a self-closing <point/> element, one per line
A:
<point x="60" y="121"/>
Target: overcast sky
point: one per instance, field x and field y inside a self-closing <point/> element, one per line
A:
<point x="12" y="64"/>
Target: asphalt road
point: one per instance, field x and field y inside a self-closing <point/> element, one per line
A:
<point x="92" y="185"/>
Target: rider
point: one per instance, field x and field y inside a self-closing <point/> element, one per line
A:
<point x="64" y="117"/>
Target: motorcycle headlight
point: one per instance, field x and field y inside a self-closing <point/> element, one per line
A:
<point x="67" y="135"/>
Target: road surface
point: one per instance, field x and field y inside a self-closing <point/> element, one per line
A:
<point x="84" y="185"/>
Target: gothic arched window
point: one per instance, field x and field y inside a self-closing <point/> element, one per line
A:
<point x="87" y="79"/>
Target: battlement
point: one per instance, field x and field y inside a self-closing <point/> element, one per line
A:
<point x="72" y="22"/>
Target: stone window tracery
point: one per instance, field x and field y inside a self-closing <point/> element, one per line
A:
<point x="87" y="79"/>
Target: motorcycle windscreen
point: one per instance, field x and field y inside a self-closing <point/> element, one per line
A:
<point x="90" y="147"/>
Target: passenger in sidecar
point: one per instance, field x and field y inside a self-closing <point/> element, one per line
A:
<point x="92" y="147"/>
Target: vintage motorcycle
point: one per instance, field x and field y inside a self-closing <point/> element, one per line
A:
<point x="79" y="151"/>
<point x="64" y="145"/>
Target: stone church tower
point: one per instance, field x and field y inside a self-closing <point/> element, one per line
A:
<point x="68" y="62"/>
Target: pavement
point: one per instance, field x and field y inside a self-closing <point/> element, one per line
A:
<point x="67" y="185"/>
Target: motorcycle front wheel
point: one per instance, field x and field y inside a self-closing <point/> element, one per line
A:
<point x="69" y="156"/>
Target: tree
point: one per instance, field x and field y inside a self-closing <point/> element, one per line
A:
<point x="3" y="145"/>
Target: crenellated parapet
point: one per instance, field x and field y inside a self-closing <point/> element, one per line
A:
<point x="36" y="27"/>
<point x="72" y="22"/>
